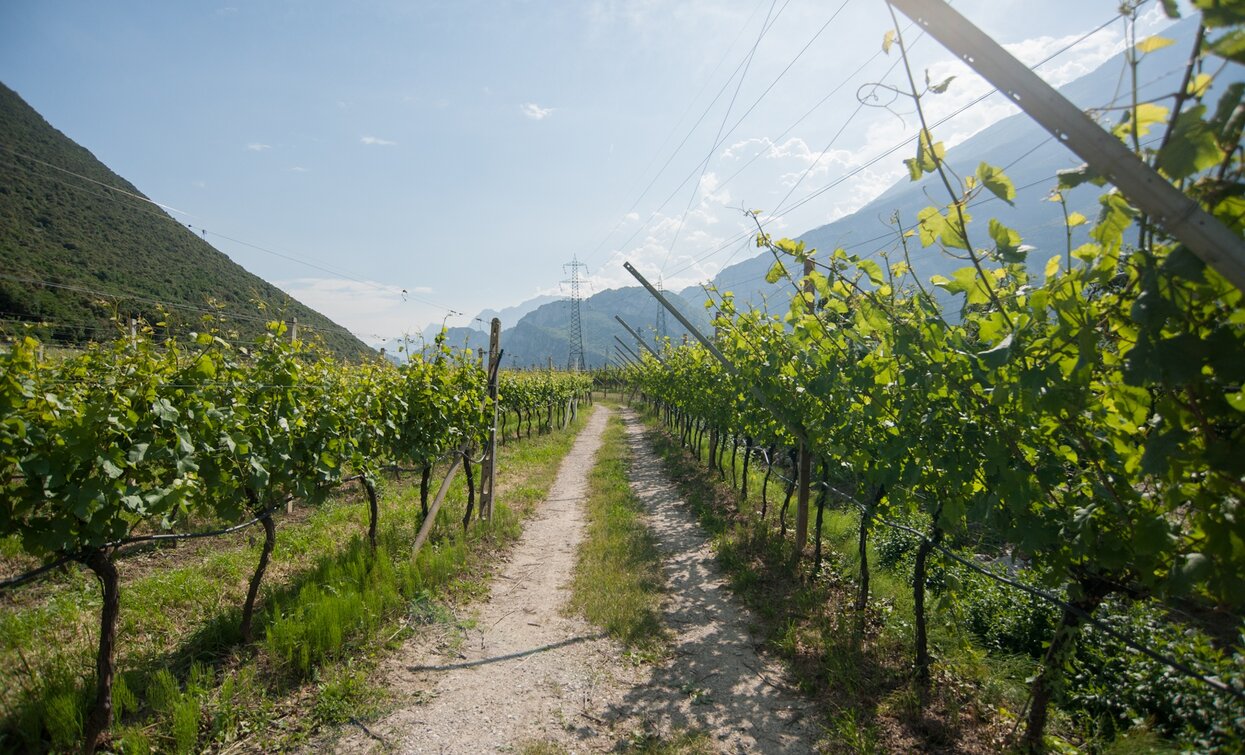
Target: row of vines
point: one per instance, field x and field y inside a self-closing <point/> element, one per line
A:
<point x="143" y="439"/>
<point x="1084" y="415"/>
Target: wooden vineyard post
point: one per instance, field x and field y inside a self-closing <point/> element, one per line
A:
<point x="488" y="468"/>
<point x="804" y="465"/>
<point x="804" y="469"/>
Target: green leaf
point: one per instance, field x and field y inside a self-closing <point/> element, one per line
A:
<point x="1230" y="46"/>
<point x="1189" y="570"/>
<point x="873" y="270"/>
<point x="1006" y="241"/>
<point x="1192" y="148"/>
<point x="914" y="168"/>
<point x="1216" y="13"/>
<point x="1071" y="178"/>
<point x="1152" y="43"/>
<point x="941" y="86"/>
<point x="996" y="357"/>
<point x="776" y="272"/>
<point x="1116" y="216"/>
<point x="111" y="470"/>
<point x="1146" y="115"/>
<point x="999" y="184"/>
<point x="164" y="410"/>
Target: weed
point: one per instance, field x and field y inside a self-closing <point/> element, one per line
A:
<point x="618" y="581"/>
<point x="345" y="694"/>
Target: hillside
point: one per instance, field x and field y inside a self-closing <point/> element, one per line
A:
<point x="77" y="254"/>
<point x="541" y="334"/>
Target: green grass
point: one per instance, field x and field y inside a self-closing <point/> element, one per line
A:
<point x="330" y="610"/>
<point x="679" y="742"/>
<point x="856" y="666"/>
<point x="618" y="581"/>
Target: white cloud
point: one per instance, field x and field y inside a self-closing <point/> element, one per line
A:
<point x="374" y="311"/>
<point x="377" y="142"/>
<point x="298" y="169"/>
<point x="199" y="184"/>
<point x="258" y="147"/>
<point x="423" y="289"/>
<point x="535" y="112"/>
<point x="631" y="216"/>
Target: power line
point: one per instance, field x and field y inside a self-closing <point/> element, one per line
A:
<point x="704" y="166"/>
<point x="119" y="190"/>
<point x="674" y="128"/>
<point x="780" y="211"/>
<point x="299" y="260"/>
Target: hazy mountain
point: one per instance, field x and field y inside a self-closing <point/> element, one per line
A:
<point x="1030" y="157"/>
<point x="76" y="254"/>
<point x="1028" y="154"/>
<point x="510" y="315"/>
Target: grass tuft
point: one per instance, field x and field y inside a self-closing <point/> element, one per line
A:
<point x="618" y="581"/>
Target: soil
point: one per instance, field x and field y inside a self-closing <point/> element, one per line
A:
<point x="525" y="673"/>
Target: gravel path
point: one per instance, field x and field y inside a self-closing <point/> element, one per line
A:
<point x="526" y="673"/>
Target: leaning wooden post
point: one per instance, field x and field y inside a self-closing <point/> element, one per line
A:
<point x="488" y="468"/>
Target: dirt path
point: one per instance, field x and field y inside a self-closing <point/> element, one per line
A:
<point x="524" y="672"/>
<point x="527" y="674"/>
<point x="716" y="681"/>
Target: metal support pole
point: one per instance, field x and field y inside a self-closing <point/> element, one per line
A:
<point x="629" y="351"/>
<point x="636" y="336"/>
<point x="624" y="358"/>
<point x="1142" y="185"/>
<point x="793" y="427"/>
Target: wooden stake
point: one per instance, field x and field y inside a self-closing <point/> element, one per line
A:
<point x="804" y="466"/>
<point x="488" y="468"/>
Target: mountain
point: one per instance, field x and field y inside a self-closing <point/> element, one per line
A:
<point x="1030" y="157"/>
<point x="511" y="315"/>
<point x="543" y="333"/>
<point x="77" y="255"/>
<point x="1028" y="154"/>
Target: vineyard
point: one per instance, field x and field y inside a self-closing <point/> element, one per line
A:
<point x="146" y="441"/>
<point x="1068" y="441"/>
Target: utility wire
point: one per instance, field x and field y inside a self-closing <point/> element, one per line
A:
<point x="299" y="260"/>
<point x="674" y="128"/>
<point x="781" y="211"/>
<point x="704" y="166"/>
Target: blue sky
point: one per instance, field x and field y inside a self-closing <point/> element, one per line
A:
<point x="463" y="151"/>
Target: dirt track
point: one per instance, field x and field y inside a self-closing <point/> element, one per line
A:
<point x="526" y="673"/>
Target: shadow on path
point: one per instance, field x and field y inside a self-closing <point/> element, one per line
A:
<point x="716" y="682"/>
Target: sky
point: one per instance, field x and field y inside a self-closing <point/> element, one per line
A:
<point x="395" y="164"/>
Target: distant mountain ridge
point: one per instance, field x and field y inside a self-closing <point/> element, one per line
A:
<point x="1028" y="154"/>
<point x="76" y="254"/>
<point x="1030" y="157"/>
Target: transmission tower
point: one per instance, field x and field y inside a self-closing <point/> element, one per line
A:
<point x="575" y="359"/>
<point x="661" y="316"/>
